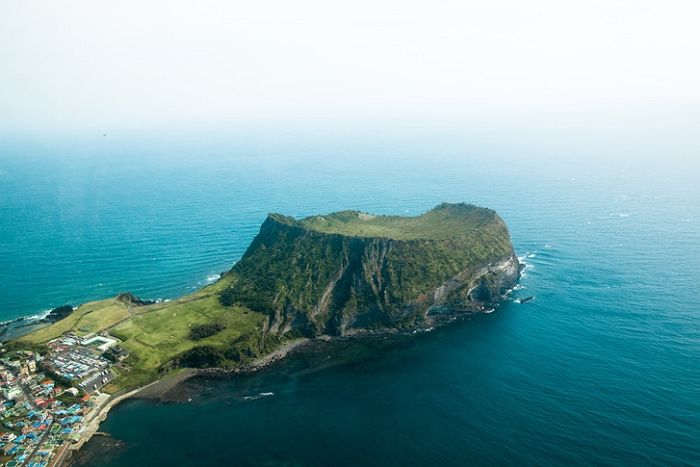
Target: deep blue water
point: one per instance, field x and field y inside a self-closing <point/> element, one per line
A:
<point x="601" y="368"/>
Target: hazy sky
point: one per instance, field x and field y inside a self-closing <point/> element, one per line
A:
<point x="116" y="65"/>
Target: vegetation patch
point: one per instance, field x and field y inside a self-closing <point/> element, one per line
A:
<point x="157" y="335"/>
<point x="444" y="221"/>
<point x="205" y="330"/>
<point x="321" y="274"/>
<point x="88" y="318"/>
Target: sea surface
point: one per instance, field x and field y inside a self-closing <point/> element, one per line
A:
<point x="601" y="367"/>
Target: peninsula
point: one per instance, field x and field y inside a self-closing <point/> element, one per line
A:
<point x="344" y="274"/>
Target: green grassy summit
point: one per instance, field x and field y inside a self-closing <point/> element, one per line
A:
<point x="444" y="221"/>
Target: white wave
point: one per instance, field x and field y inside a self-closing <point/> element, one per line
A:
<point x="39" y="316"/>
<point x="258" y="396"/>
<point x="213" y="278"/>
<point x="489" y="310"/>
<point x="523" y="259"/>
<point x="35" y="317"/>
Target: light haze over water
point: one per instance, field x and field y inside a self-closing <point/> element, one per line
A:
<point x="143" y="144"/>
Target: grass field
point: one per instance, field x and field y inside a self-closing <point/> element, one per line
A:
<point x="154" y="338"/>
<point x="88" y="318"/>
<point x="444" y="221"/>
<point x="156" y="334"/>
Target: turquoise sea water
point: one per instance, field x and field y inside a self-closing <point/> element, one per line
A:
<point x="600" y="368"/>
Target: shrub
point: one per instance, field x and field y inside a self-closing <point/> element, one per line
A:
<point x="202" y="357"/>
<point x="205" y="330"/>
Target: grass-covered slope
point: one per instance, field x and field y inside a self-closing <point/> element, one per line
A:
<point x="159" y="337"/>
<point x="88" y="318"/>
<point x="444" y="222"/>
<point x="347" y="271"/>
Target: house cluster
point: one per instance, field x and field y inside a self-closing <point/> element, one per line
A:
<point x="44" y="399"/>
<point x="71" y="359"/>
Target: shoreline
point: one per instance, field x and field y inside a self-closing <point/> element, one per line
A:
<point x="158" y="388"/>
<point x="257" y="364"/>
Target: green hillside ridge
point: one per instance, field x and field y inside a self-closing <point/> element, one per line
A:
<point x="348" y="271"/>
<point x="337" y="274"/>
<point x="444" y="221"/>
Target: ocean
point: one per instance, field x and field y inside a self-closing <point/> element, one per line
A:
<point x="601" y="367"/>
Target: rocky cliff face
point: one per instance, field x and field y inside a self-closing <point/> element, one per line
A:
<point x="351" y="272"/>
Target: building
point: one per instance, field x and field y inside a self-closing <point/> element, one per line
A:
<point x="7" y="437"/>
<point x="9" y="449"/>
<point x="102" y="343"/>
<point x="11" y="393"/>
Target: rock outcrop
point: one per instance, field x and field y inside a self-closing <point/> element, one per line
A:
<point x="352" y="272"/>
<point x="129" y="298"/>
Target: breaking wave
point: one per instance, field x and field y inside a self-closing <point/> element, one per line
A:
<point x="213" y="278"/>
<point x="258" y="396"/>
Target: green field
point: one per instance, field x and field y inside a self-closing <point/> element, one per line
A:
<point x="445" y="221"/>
<point x="88" y="318"/>
<point x="155" y="335"/>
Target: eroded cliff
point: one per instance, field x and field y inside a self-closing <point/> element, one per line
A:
<point x="350" y="271"/>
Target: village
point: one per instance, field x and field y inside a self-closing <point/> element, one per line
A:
<point x="49" y="396"/>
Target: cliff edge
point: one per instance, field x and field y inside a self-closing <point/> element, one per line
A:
<point x="350" y="272"/>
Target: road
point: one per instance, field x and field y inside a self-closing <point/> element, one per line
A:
<point x="39" y="443"/>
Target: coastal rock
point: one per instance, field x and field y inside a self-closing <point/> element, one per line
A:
<point x="129" y="298"/>
<point x="58" y="313"/>
<point x="350" y="272"/>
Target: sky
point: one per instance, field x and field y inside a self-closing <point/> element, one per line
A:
<point x="86" y="66"/>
